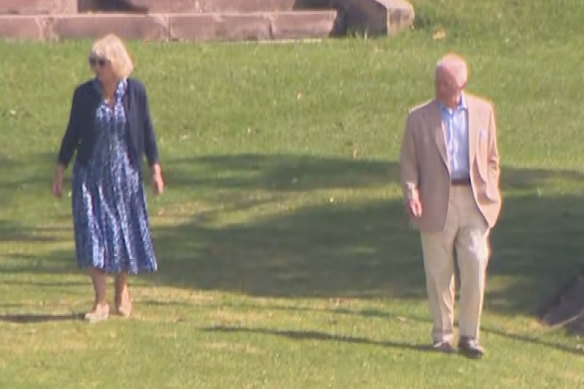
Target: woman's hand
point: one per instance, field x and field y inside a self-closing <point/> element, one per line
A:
<point x="58" y="180"/>
<point x="157" y="180"/>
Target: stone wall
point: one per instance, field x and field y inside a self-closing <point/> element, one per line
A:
<point x="202" y="20"/>
<point x="200" y="27"/>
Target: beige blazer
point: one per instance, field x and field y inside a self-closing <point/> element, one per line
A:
<point x="425" y="167"/>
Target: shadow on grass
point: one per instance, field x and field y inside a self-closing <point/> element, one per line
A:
<point x="57" y="262"/>
<point x="329" y="251"/>
<point x="361" y="247"/>
<point x="368" y="313"/>
<point x="537" y="247"/>
<point x="356" y="248"/>
<point x="39" y="318"/>
<point x="278" y="173"/>
<point x="11" y="231"/>
<point x="322" y="336"/>
<point x="576" y="350"/>
<point x="381" y="314"/>
<point x="44" y="284"/>
<point x="30" y="174"/>
<point x="331" y="248"/>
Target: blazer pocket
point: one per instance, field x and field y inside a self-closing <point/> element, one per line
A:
<point x="481" y="172"/>
<point x="487" y="191"/>
<point x="492" y="191"/>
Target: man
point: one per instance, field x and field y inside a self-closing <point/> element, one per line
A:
<point x="450" y="178"/>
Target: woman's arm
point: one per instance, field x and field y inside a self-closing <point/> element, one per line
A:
<point x="157" y="179"/>
<point x="58" y="180"/>
<point x="72" y="134"/>
<point x="150" y="147"/>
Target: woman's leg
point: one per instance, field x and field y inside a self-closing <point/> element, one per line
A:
<point x="100" y="309"/>
<point x="123" y="300"/>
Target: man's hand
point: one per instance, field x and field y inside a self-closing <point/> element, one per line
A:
<point x="414" y="207"/>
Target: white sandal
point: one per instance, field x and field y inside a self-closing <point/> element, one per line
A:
<point x="99" y="314"/>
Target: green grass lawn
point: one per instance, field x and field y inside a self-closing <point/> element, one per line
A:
<point x="285" y="257"/>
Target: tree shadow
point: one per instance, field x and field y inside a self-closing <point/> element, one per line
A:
<point x="278" y="173"/>
<point x="29" y="175"/>
<point x="329" y="251"/>
<point x="356" y="249"/>
<point x="57" y="262"/>
<point x="537" y="247"/>
<point x="11" y="231"/>
<point x="333" y="247"/>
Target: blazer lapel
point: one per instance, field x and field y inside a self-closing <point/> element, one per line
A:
<point x="439" y="135"/>
<point x="473" y="128"/>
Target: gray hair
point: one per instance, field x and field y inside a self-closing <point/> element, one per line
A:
<point x="456" y="65"/>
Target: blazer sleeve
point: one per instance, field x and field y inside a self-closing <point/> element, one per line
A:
<point x="72" y="134"/>
<point x="493" y="153"/>
<point x="409" y="161"/>
<point x="150" y="147"/>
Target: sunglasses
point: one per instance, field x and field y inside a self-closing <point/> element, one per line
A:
<point x="93" y="61"/>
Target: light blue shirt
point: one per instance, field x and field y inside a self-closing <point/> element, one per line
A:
<point x="456" y="128"/>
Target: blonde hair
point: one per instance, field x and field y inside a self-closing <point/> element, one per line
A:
<point x="456" y="65"/>
<point x="111" y="48"/>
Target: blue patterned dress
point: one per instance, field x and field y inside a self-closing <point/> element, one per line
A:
<point x="109" y="207"/>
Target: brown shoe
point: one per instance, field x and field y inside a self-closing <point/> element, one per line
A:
<point x="470" y="347"/>
<point x="443" y="347"/>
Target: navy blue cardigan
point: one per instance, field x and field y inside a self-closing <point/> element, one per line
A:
<point x="82" y="132"/>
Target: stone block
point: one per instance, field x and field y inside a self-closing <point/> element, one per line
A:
<point x="21" y="28"/>
<point x="400" y="16"/>
<point x="219" y="27"/>
<point x="243" y="27"/>
<point x="378" y="17"/>
<point x="216" y="6"/>
<point x="193" y="27"/>
<point x="303" y="24"/>
<point x="248" y="5"/>
<point x="37" y="7"/>
<point x="139" y="27"/>
<point x="199" y="27"/>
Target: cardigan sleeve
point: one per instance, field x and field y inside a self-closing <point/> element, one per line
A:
<point x="150" y="147"/>
<point x="72" y="134"/>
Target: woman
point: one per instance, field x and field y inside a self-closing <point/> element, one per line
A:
<point x="110" y="130"/>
